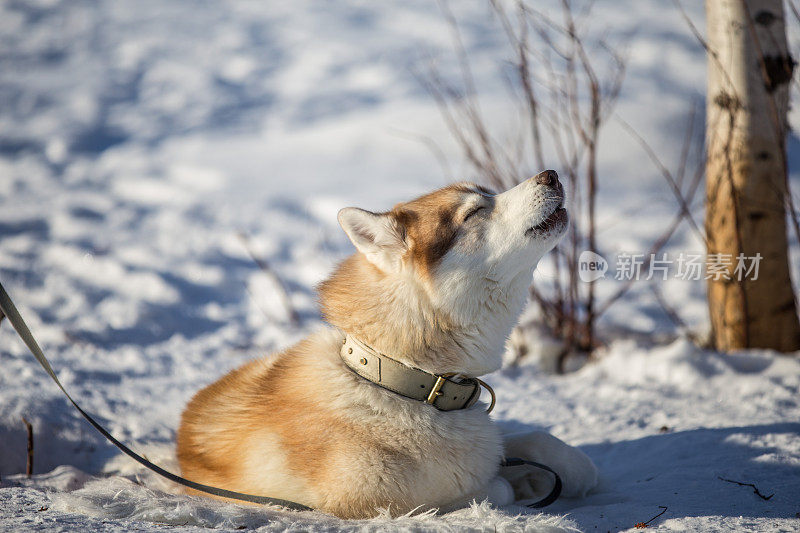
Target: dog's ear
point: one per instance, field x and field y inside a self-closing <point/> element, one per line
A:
<point x="377" y="236"/>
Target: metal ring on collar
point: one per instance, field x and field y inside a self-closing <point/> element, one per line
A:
<point x="491" y="391"/>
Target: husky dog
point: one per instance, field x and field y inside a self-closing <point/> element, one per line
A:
<point x="434" y="289"/>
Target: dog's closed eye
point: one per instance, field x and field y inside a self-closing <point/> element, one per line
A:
<point x="474" y="211"/>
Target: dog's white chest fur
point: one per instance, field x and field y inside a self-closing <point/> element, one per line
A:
<point x="420" y="456"/>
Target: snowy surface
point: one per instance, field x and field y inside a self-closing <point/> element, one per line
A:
<point x="138" y="140"/>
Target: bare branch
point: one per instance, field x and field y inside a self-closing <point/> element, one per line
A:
<point x="29" y="457"/>
<point x="432" y="146"/>
<point x="670" y="311"/>
<point x="684" y="206"/>
<point x="264" y="266"/>
<point x="687" y="143"/>
<point x="751" y="485"/>
<point x="643" y="525"/>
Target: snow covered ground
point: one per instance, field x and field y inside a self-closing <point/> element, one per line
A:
<point x="140" y="140"/>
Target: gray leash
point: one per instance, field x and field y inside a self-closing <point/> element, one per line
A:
<point x="8" y="308"/>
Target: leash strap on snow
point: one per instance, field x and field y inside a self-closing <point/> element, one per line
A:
<point x="10" y="310"/>
<point x="554" y="493"/>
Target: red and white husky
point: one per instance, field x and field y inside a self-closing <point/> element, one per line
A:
<point x="436" y="284"/>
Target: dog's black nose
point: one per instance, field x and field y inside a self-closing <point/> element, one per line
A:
<point x="548" y="177"/>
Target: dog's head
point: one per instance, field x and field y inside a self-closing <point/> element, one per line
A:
<point x="462" y="236"/>
<point x="463" y="252"/>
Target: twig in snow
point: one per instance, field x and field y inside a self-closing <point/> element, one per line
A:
<point x="29" y="461"/>
<point x="755" y="489"/>
<point x="265" y="267"/>
<point x="642" y="525"/>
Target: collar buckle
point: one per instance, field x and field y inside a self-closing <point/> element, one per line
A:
<point x="436" y="390"/>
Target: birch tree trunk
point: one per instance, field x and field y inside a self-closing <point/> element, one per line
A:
<point x="749" y="70"/>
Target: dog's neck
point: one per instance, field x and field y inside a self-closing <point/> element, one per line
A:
<point x="395" y="317"/>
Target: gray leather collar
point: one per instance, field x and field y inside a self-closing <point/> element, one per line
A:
<point x="443" y="393"/>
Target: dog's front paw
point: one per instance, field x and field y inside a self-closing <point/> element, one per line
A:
<point x="500" y="492"/>
<point x="578" y="473"/>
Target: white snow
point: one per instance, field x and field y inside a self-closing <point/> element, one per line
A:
<point x="139" y="139"/>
